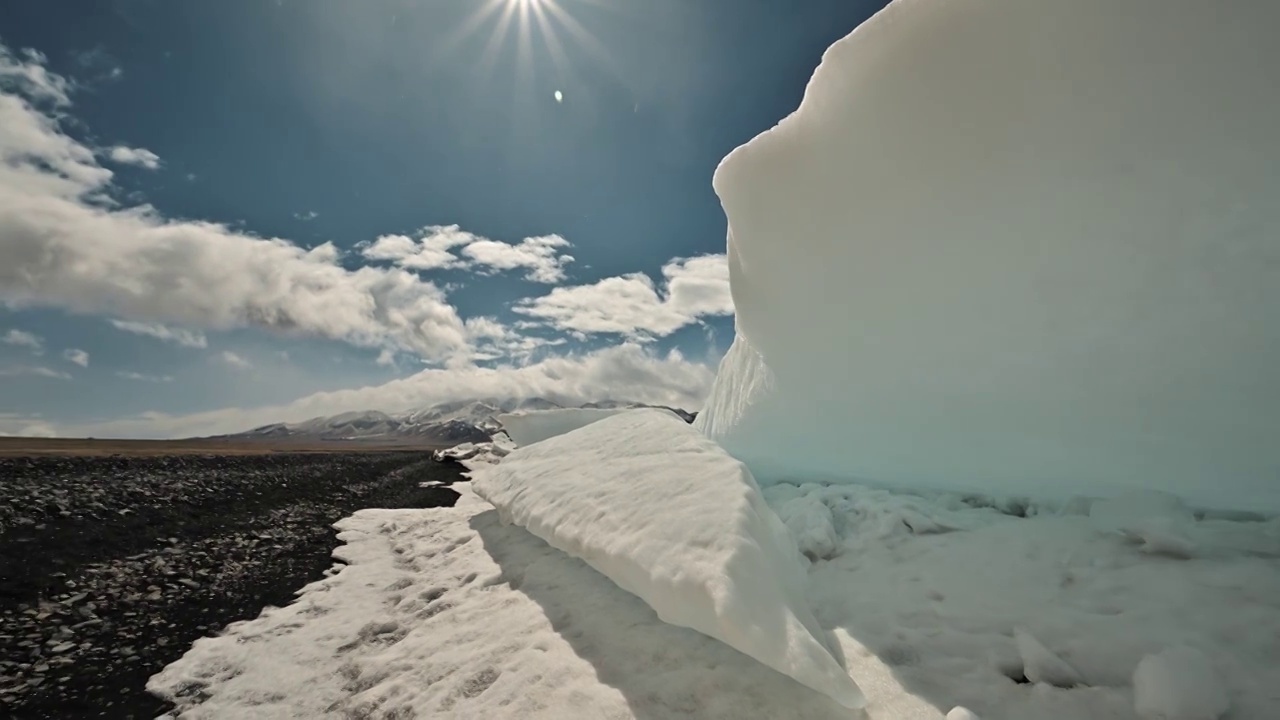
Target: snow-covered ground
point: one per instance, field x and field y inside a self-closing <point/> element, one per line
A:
<point x="1126" y="608"/>
<point x="450" y="613"/>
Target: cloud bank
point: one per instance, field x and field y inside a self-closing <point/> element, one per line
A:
<point x="69" y="244"/>
<point x="624" y="372"/>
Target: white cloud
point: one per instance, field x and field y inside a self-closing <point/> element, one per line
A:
<point x="540" y="256"/>
<point x="430" y="252"/>
<point x="177" y="336"/>
<point x="36" y="370"/>
<point x="234" y="360"/>
<point x="14" y="425"/>
<point x="491" y="340"/>
<point x="633" y="306"/>
<point x="79" y="357"/>
<point x="67" y="244"/>
<point x="140" y="377"/>
<point x="623" y="372"/>
<point x="21" y="338"/>
<point x="26" y="73"/>
<point x="134" y="156"/>
<point x="307" y="216"/>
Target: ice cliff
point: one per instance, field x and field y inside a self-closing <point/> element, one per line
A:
<point x="1024" y="246"/>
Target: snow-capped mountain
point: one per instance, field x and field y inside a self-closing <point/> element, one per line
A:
<point x="446" y="423"/>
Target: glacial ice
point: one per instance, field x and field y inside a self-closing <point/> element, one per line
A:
<point x="668" y="516"/>
<point x="1017" y="246"/>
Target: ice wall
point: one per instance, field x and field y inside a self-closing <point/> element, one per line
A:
<point x="1017" y="245"/>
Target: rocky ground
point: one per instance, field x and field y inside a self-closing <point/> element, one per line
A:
<point x="110" y="567"/>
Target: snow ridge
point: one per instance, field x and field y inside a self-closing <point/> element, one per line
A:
<point x="665" y="514"/>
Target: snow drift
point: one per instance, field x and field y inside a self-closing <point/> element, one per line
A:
<point x="665" y="514"/>
<point x="529" y="427"/>
<point x="1017" y="245"/>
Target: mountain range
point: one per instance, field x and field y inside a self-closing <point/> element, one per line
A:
<point x="443" y="424"/>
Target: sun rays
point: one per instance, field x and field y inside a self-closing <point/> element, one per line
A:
<point x="544" y="23"/>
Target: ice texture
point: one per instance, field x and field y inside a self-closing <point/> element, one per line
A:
<point x="1017" y="245"/>
<point x="1178" y="684"/>
<point x="1040" y="664"/>
<point x="531" y="426"/>
<point x="668" y="516"/>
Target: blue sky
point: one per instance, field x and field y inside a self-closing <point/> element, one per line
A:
<point x="219" y="214"/>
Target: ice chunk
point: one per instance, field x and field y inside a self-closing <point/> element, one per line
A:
<point x="667" y="515"/>
<point x="960" y="713"/>
<point x="473" y="455"/>
<point x="811" y="525"/>
<point x="531" y="426"/>
<point x="1040" y="664"/>
<point x="1178" y="684"/>
<point x="1022" y="246"/>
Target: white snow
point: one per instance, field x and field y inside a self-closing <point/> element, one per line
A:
<point x="1023" y="246"/>
<point x="1040" y="665"/>
<point x="1178" y="684"/>
<point x="960" y="594"/>
<point x="476" y="455"/>
<point x="527" y="427"/>
<point x="449" y="613"/>
<point x="667" y="515"/>
<point x="935" y="601"/>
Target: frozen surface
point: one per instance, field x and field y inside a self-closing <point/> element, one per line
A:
<point x="448" y="613"/>
<point x="667" y="515"/>
<point x="529" y="427"/>
<point x="1178" y="684"/>
<point x="1040" y="665"/>
<point x="1023" y="610"/>
<point x="1017" y="245"/>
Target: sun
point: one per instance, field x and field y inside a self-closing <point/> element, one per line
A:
<point x="534" y="21"/>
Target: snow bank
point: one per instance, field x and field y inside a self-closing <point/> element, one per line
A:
<point x="447" y="613"/>
<point x="664" y="513"/>
<point x="529" y="427"/>
<point x="1017" y="245"/>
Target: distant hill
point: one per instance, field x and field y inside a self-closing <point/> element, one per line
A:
<point x="444" y="424"/>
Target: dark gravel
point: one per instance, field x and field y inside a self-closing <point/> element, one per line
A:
<point x="110" y="567"/>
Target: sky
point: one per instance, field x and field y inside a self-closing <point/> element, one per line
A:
<point x="217" y="215"/>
